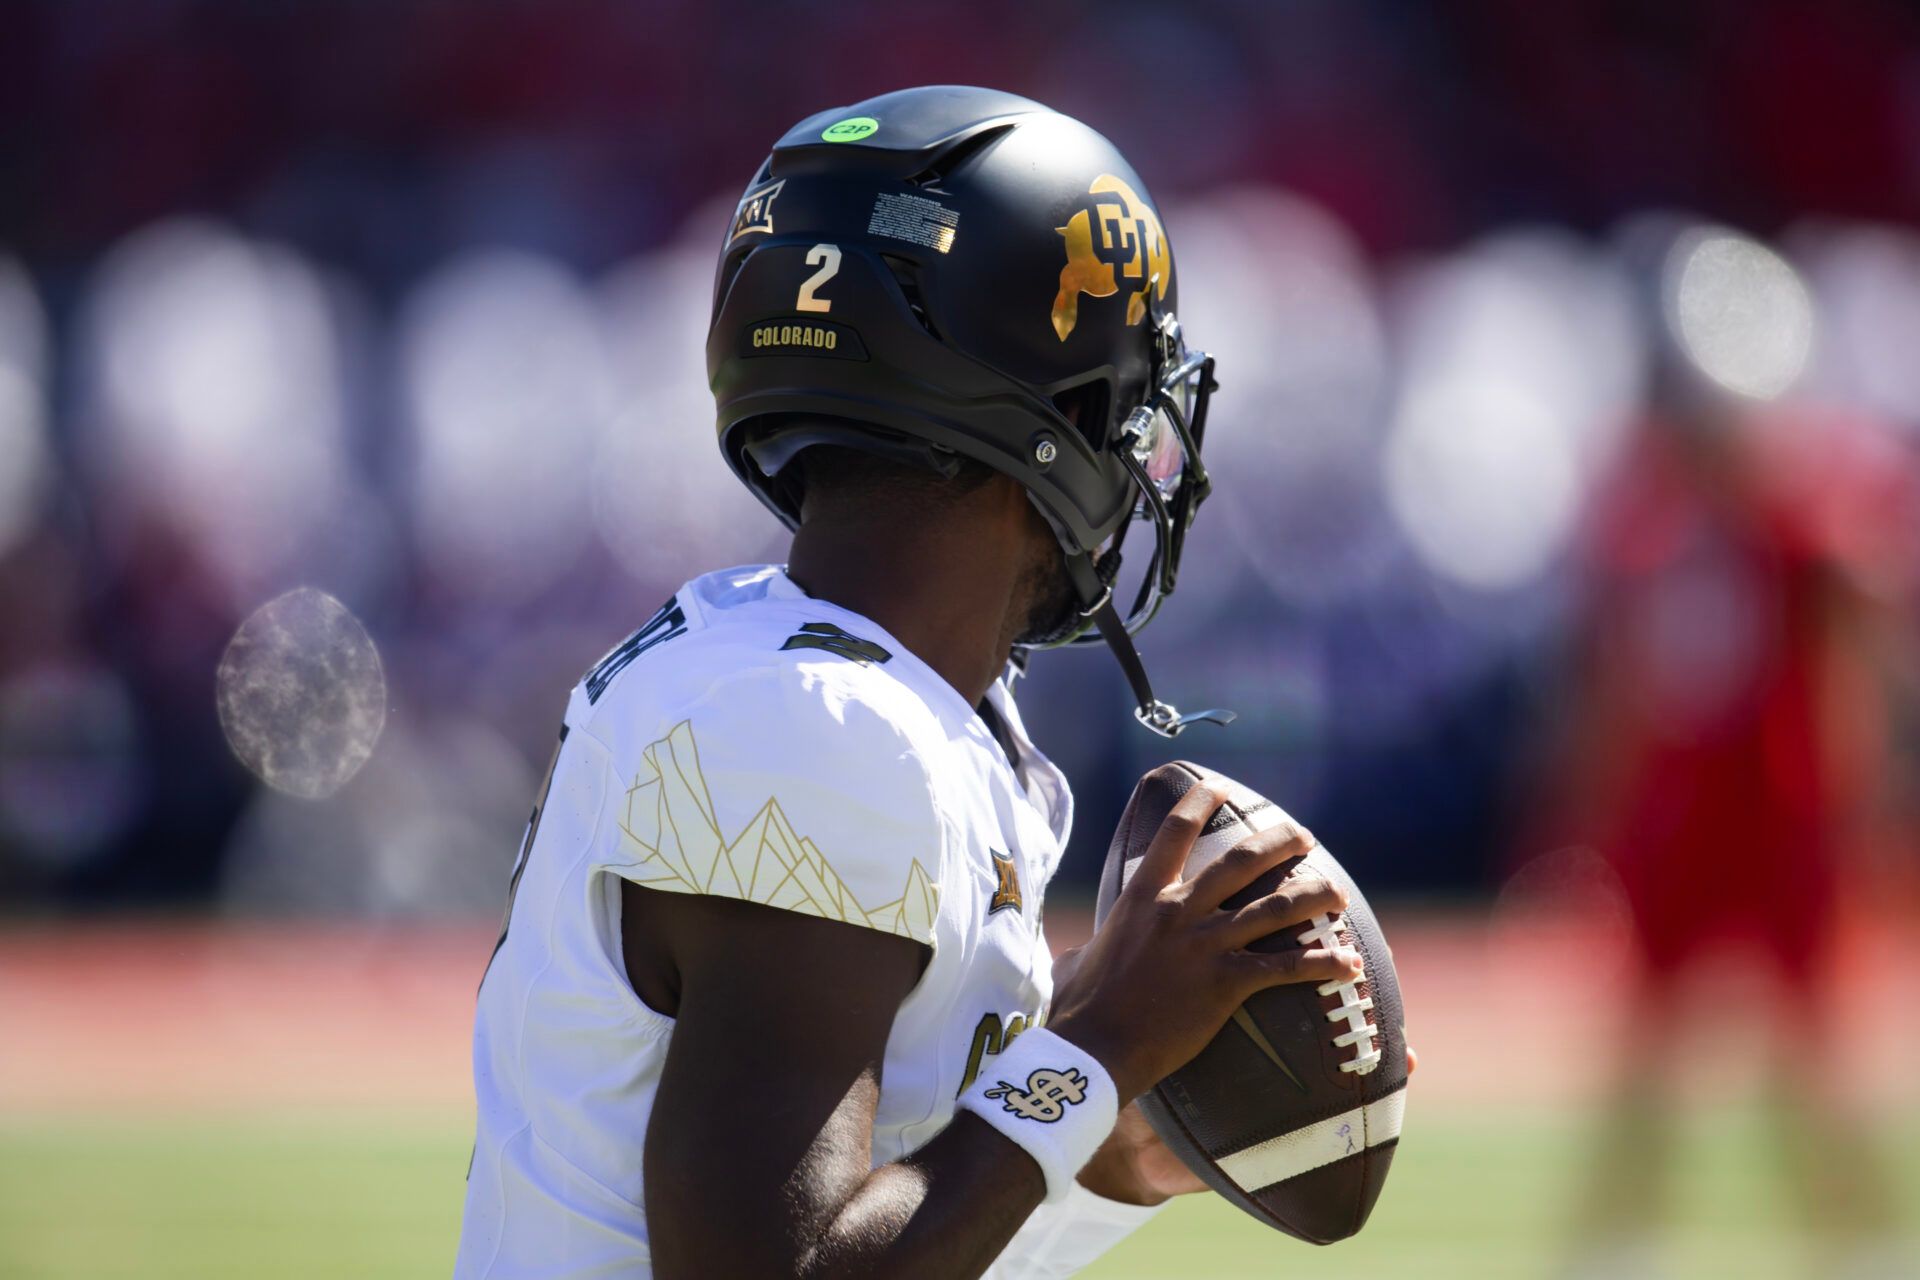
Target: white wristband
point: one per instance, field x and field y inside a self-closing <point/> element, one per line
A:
<point x="1050" y="1097"/>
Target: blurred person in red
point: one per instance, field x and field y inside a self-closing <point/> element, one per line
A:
<point x="1727" y="739"/>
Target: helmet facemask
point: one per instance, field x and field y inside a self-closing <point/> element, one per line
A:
<point x="1159" y="444"/>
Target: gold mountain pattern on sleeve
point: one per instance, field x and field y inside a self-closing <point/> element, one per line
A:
<point x="670" y="822"/>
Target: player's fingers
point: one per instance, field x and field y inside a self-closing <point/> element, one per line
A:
<point x="1298" y="899"/>
<point x="1257" y="970"/>
<point x="1239" y="866"/>
<point x="1167" y="853"/>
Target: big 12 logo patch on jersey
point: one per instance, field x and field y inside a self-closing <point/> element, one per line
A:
<point x="1006" y="890"/>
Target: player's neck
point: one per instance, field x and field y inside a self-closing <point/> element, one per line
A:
<point x="950" y="609"/>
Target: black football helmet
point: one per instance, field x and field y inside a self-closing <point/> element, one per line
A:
<point x="951" y="271"/>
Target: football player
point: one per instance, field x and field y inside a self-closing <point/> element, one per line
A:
<point x="773" y="998"/>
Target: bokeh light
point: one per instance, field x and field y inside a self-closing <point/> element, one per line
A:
<point x="1521" y="364"/>
<point x="1740" y="310"/>
<point x="26" y="460"/>
<point x="1484" y="481"/>
<point x="659" y="494"/>
<point x="1866" y="281"/>
<point x="1538" y="310"/>
<point x="1280" y="293"/>
<point x="212" y="372"/>
<point x="301" y="693"/>
<point x="506" y="388"/>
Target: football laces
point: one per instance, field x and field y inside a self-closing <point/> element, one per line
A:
<point x="1361" y="1035"/>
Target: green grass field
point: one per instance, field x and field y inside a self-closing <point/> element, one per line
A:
<point x="368" y="1196"/>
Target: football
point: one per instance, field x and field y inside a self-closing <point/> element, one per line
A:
<point x="1293" y="1110"/>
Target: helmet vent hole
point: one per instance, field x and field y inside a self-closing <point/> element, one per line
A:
<point x="1087" y="408"/>
<point x="908" y="279"/>
<point x="958" y="154"/>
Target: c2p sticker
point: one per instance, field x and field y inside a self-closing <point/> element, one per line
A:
<point x="852" y="129"/>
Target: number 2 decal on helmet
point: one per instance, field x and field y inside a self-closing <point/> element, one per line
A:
<point x="827" y="258"/>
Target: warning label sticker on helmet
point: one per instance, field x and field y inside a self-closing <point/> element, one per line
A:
<point x="914" y="219"/>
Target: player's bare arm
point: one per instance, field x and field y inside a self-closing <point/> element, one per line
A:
<point x="758" y="1158"/>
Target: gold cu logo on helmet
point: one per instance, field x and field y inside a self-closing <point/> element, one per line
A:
<point x="1130" y="239"/>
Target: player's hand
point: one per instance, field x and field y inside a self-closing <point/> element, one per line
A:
<point x="1168" y="967"/>
<point x="1133" y="1166"/>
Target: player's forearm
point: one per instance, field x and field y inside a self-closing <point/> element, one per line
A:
<point x="943" y="1213"/>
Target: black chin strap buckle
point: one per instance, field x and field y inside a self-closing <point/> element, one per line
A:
<point x="1165" y="719"/>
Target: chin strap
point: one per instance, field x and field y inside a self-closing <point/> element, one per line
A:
<point x="1163" y="718"/>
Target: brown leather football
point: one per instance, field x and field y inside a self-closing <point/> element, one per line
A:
<point x="1293" y="1111"/>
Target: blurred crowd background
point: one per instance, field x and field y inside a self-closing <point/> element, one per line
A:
<point x="1564" y="562"/>
<point x="405" y="303"/>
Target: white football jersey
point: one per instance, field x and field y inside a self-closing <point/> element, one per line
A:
<point x="752" y="742"/>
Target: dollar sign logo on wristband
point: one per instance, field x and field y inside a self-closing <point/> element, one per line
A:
<point x="1048" y="1094"/>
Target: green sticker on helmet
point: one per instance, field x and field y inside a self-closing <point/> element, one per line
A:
<point x="852" y="129"/>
